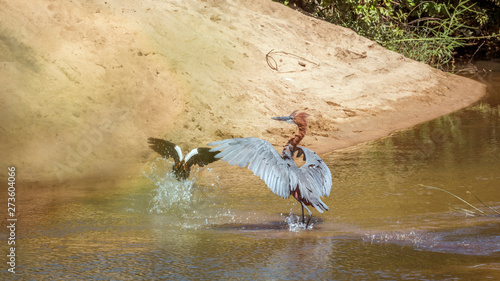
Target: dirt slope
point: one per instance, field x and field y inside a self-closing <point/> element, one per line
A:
<point x="85" y="83"/>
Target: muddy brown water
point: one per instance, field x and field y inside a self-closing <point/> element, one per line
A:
<point x="225" y="224"/>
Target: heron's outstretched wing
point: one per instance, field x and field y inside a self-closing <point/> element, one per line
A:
<point x="315" y="178"/>
<point x="200" y="156"/>
<point x="166" y="149"/>
<point x="261" y="158"/>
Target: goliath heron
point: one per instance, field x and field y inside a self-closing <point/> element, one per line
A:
<point x="182" y="166"/>
<point x="306" y="184"/>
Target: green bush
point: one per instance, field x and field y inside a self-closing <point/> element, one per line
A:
<point x="427" y="31"/>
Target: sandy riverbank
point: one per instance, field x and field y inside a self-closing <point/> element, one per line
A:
<point x="85" y="83"/>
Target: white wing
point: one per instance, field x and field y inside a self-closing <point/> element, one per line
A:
<point x="261" y="158"/>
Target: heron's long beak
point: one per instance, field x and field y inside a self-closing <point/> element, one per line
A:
<point x="288" y="119"/>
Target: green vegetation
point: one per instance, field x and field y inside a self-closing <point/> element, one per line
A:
<point x="428" y="31"/>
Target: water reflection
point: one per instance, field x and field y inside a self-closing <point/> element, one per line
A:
<point x="226" y="224"/>
<point x="379" y="186"/>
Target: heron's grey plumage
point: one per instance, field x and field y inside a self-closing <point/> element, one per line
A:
<point x="279" y="172"/>
<point x="262" y="159"/>
<point x="314" y="179"/>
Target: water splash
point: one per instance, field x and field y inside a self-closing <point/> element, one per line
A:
<point x="295" y="223"/>
<point x="169" y="191"/>
<point x="184" y="203"/>
<point x="413" y="238"/>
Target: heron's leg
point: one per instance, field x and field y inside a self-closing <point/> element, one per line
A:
<point x="310" y="215"/>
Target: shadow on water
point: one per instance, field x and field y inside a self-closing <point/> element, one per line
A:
<point x="290" y="222"/>
<point x="274" y="225"/>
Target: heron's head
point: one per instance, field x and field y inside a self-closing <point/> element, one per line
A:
<point x="293" y="118"/>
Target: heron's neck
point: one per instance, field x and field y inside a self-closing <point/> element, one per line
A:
<point x="295" y="140"/>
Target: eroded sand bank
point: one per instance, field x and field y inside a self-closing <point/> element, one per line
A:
<point x="85" y="83"/>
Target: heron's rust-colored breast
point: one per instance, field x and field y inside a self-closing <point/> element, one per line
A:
<point x="296" y="194"/>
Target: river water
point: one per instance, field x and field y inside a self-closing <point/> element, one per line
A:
<point x="225" y="224"/>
